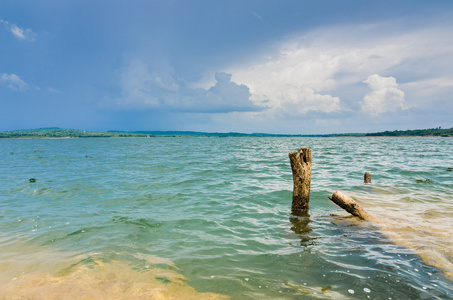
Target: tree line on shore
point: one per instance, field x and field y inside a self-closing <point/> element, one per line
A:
<point x="417" y="132"/>
<point x="55" y="132"/>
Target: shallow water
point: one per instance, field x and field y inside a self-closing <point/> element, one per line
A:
<point x="210" y="218"/>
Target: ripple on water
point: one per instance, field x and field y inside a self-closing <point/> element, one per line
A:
<point x="220" y="210"/>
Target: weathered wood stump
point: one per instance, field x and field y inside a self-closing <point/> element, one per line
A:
<point x="301" y="167"/>
<point x="367" y="177"/>
<point x="350" y="205"/>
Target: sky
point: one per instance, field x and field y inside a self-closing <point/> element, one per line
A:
<point x="261" y="66"/>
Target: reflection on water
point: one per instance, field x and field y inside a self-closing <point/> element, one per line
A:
<point x="301" y="227"/>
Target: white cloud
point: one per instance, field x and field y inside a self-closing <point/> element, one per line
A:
<point x="256" y="15"/>
<point x="139" y="87"/>
<point x="323" y="70"/>
<point x="224" y="96"/>
<point x="384" y="95"/>
<point x="143" y="88"/>
<point x="20" y="33"/>
<point x="428" y="86"/>
<point x="298" y="83"/>
<point x="13" y="81"/>
<point x="53" y="90"/>
<point x="293" y="82"/>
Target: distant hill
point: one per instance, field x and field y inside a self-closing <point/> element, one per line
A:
<point x="55" y="132"/>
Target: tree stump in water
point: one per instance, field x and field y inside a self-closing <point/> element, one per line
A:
<point x="367" y="177"/>
<point x="301" y="168"/>
<point x="349" y="204"/>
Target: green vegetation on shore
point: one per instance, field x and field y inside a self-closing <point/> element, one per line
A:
<point x="55" y="132"/>
<point x="417" y="132"/>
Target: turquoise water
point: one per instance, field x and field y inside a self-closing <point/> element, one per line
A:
<point x="212" y="215"/>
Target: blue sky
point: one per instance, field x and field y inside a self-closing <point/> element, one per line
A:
<point x="245" y="66"/>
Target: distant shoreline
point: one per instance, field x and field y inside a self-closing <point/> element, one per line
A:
<point x="60" y="133"/>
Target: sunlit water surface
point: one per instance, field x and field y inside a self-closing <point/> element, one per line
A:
<point x="210" y="218"/>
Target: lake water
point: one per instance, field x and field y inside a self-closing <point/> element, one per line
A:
<point x="208" y="218"/>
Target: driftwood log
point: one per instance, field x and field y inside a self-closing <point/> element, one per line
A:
<point x="350" y="205"/>
<point x="301" y="168"/>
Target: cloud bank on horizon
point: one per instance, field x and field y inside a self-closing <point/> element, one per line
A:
<point x="282" y="67"/>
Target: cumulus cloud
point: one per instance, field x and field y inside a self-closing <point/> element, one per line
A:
<point x="143" y="88"/>
<point x="224" y="96"/>
<point x="13" y="81"/>
<point x="295" y="81"/>
<point x="19" y="33"/>
<point x="293" y="86"/>
<point x="384" y="96"/>
<point x="306" y="79"/>
<point x="323" y="70"/>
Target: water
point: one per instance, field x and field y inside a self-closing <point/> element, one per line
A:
<point x="208" y="218"/>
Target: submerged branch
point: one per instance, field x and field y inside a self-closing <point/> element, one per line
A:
<point x="350" y="205"/>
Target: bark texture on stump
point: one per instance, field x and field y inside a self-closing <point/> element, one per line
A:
<point x="367" y="177"/>
<point x="301" y="167"/>
<point x="349" y="204"/>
